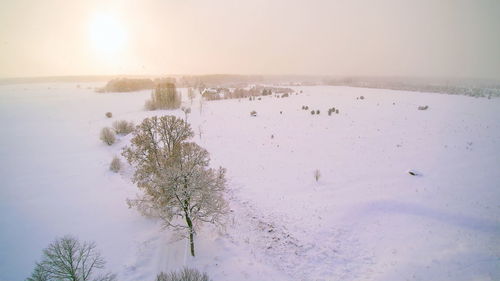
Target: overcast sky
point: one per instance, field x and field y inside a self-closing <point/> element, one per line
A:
<point x="429" y="38"/>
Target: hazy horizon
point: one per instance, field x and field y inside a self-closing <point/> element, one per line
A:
<point x="443" y="39"/>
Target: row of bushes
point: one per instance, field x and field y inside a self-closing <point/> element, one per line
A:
<point x="332" y="110"/>
<point x="317" y="112"/>
<point x="120" y="127"/>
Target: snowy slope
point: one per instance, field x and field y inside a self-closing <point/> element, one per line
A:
<point x="365" y="219"/>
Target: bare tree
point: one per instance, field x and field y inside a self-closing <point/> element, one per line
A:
<point x="155" y="139"/>
<point x="66" y="259"/>
<point x="178" y="185"/>
<point x="191" y="94"/>
<point x="201" y="103"/>
<point x="200" y="131"/>
<point x="317" y="174"/>
<point x="39" y="274"/>
<point x="186" y="274"/>
<point x="187" y="111"/>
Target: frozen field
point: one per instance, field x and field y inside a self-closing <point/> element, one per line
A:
<point x="365" y="219"/>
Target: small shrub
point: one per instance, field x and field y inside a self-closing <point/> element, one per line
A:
<point x="313" y="112"/>
<point x="115" y="165"/>
<point x="284" y="95"/>
<point x="317" y="112"/>
<point x="306" y="107"/>
<point x="329" y="112"/>
<point x="123" y="127"/>
<point x="336" y="111"/>
<point x="109" y="114"/>
<point x="423" y="107"/>
<point x="253" y="113"/>
<point x="317" y="174"/>
<point x="361" y="98"/>
<point x="186" y="274"/>
<point x="107" y="136"/>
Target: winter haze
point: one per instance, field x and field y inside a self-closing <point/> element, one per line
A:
<point x="370" y="38"/>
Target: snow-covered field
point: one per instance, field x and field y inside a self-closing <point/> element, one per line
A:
<point x="365" y="219"/>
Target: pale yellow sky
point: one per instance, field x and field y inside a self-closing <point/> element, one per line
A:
<point x="384" y="38"/>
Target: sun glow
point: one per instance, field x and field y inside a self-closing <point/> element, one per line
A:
<point x="107" y="35"/>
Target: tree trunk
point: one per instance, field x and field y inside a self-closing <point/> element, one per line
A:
<point x="191" y="234"/>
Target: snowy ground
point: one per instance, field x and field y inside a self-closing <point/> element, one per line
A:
<point x="366" y="218"/>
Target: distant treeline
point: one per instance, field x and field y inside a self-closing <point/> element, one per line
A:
<point x="133" y="84"/>
<point x="217" y="80"/>
<point x="468" y="87"/>
<point x="55" y="79"/>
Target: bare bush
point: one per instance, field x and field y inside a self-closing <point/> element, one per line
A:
<point x="313" y="112"/>
<point x="123" y="127"/>
<point x="253" y="113"/>
<point x="186" y="274"/>
<point x="115" y="165"/>
<point x="107" y="136"/>
<point x="317" y="174"/>
<point x="109" y="114"/>
<point x="331" y="110"/>
<point x="423" y="107"/>
<point x="67" y="259"/>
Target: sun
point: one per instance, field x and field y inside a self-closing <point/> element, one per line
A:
<point x="107" y="35"/>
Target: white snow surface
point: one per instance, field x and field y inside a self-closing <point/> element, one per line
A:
<point x="366" y="218"/>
